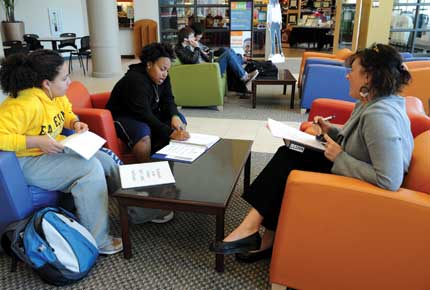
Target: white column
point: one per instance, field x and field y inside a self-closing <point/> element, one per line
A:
<point x="104" y="31"/>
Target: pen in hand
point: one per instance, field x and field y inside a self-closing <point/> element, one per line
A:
<point x="328" y="118"/>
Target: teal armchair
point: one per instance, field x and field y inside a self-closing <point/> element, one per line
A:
<point x="198" y="85"/>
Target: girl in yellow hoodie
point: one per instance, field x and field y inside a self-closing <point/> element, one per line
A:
<point x="31" y="121"/>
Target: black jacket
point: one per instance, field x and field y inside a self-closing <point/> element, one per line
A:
<point x="134" y="95"/>
<point x="188" y="56"/>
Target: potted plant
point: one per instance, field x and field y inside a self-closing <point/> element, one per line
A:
<point x="13" y="30"/>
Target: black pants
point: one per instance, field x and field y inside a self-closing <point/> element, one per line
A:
<point x="266" y="192"/>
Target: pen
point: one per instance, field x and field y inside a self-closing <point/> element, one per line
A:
<point x="328" y="118"/>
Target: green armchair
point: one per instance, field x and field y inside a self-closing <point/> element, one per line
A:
<point x="198" y="85"/>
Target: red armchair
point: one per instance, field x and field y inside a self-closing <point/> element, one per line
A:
<point x="91" y="109"/>
<point x="343" y="109"/>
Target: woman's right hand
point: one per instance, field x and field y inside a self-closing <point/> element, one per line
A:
<point x="46" y="143"/>
<point x="320" y="126"/>
<point x="180" y="135"/>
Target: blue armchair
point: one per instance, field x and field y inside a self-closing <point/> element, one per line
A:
<point x="316" y="60"/>
<point x="325" y="81"/>
<point x="17" y="199"/>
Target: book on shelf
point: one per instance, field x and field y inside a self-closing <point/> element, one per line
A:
<point x="294" y="138"/>
<point x="145" y="174"/>
<point x="85" y="143"/>
<point x="187" y="150"/>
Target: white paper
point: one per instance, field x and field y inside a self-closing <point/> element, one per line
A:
<point x="199" y="139"/>
<point x="284" y="131"/>
<point x="181" y="151"/>
<point x="85" y="144"/>
<point x="145" y="174"/>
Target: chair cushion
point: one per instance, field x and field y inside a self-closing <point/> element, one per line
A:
<point x="419" y="174"/>
<point x="79" y="96"/>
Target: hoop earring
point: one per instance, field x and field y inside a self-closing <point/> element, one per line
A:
<point x="364" y="92"/>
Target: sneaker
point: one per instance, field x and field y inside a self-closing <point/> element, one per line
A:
<point x="164" y="219"/>
<point x="115" y="246"/>
<point x="251" y="76"/>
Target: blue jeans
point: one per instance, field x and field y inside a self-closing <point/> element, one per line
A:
<point x="84" y="179"/>
<point x="233" y="61"/>
<point x="275" y="32"/>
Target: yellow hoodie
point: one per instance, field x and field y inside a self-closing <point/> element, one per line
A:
<point x="32" y="113"/>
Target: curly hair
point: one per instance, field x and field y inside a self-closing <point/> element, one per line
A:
<point x="152" y="52"/>
<point x="20" y="71"/>
<point x="385" y="65"/>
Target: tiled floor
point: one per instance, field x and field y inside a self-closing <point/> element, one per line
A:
<point x="225" y="128"/>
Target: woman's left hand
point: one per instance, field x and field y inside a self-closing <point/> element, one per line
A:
<point x="177" y="123"/>
<point x="332" y="149"/>
<point x="80" y="127"/>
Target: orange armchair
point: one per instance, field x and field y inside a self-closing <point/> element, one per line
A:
<point x="419" y="86"/>
<point x="91" y="109"/>
<point x="341" y="55"/>
<point x="337" y="232"/>
<point x="420" y="122"/>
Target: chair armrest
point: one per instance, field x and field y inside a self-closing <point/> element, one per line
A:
<point x="15" y="198"/>
<point x="100" y="100"/>
<point x="100" y="122"/>
<point x="336" y="231"/>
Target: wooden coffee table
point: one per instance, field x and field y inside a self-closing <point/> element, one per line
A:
<point x="284" y="78"/>
<point x="204" y="186"/>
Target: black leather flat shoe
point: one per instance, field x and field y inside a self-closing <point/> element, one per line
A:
<point x="251" y="257"/>
<point x="244" y="245"/>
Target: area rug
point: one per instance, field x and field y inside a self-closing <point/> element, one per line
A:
<point x="168" y="256"/>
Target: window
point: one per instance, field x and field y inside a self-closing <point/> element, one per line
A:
<point x="410" y="27"/>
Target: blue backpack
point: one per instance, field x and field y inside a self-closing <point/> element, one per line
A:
<point x="54" y="244"/>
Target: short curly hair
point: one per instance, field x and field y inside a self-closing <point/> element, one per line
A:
<point x="385" y="65"/>
<point x="19" y="71"/>
<point x="152" y="52"/>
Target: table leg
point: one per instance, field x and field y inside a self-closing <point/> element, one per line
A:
<point x="285" y="89"/>
<point x="247" y="173"/>
<point x="123" y="216"/>
<point x="293" y="92"/>
<point x="219" y="259"/>
<point x="54" y="45"/>
<point x="254" y="95"/>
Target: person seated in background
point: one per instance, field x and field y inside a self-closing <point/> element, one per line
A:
<point x="31" y="121"/>
<point x="374" y="145"/>
<point x="189" y="52"/>
<point x="143" y="106"/>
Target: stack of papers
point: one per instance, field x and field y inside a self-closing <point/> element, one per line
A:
<point x="294" y="136"/>
<point x="85" y="144"/>
<point x="145" y="174"/>
<point x="188" y="150"/>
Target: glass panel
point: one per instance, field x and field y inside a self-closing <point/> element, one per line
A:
<point x="258" y="42"/>
<point x="403" y="17"/>
<point x="406" y="1"/>
<point x="171" y="38"/>
<point x="213" y="17"/>
<point x="212" y="2"/>
<point x="168" y="18"/>
<point x="167" y="2"/>
<point x="259" y="17"/>
<point x="185" y="2"/>
<point x="219" y="38"/>
<point x="401" y="40"/>
<point x="347" y="24"/>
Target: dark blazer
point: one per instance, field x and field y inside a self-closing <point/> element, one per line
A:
<point x="135" y="95"/>
<point x="188" y="56"/>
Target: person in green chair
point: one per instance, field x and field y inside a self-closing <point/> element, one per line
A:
<point x="189" y="51"/>
<point x="143" y="106"/>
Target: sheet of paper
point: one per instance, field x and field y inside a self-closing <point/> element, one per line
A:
<point x="145" y="174"/>
<point x="284" y="131"/>
<point x="182" y="151"/>
<point x="200" y="139"/>
<point x="85" y="144"/>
